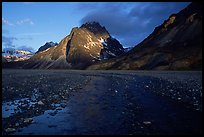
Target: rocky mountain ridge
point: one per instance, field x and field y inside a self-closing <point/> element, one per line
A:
<point x="174" y="45"/>
<point x="83" y="46"/>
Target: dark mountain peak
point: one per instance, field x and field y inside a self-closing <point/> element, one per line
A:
<point x="51" y="43"/>
<point x="185" y="17"/>
<point x="192" y="12"/>
<point x="94" y="27"/>
<point x="91" y="24"/>
<point x="194" y="7"/>
<point x="85" y="45"/>
<point x="46" y="46"/>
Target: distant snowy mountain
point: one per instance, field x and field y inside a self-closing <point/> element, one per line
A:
<point x="10" y="55"/>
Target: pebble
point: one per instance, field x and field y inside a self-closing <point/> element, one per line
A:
<point x="40" y="103"/>
<point x="28" y="120"/>
<point x="55" y="96"/>
<point x="171" y="90"/>
<point x="17" y="124"/>
<point x="58" y="108"/>
<point x="146" y="86"/>
<point x="147" y="122"/>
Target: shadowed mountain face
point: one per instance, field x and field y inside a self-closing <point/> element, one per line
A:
<point x="83" y="46"/>
<point x="174" y="45"/>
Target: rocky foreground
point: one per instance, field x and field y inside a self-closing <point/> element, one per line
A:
<point x="101" y="102"/>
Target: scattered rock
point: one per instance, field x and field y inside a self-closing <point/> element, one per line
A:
<point x="10" y="130"/>
<point x="17" y="124"/>
<point x="58" y="108"/>
<point x="40" y="103"/>
<point x="179" y="98"/>
<point x="55" y="96"/>
<point x="171" y="90"/>
<point x="147" y="122"/>
<point x="146" y="86"/>
<point x="28" y="120"/>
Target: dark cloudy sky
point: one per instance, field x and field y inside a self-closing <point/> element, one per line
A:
<point x="30" y="24"/>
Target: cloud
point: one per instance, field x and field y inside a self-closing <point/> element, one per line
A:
<point x="87" y="6"/>
<point x="20" y="22"/>
<point x="5" y="31"/>
<point x="31" y="34"/>
<point x="25" y="21"/>
<point x="8" y="41"/>
<point x="129" y="21"/>
<point x="6" y="22"/>
<point x="26" y="38"/>
<point x="28" y="3"/>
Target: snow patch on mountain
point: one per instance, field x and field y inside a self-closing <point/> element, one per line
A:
<point x="128" y="49"/>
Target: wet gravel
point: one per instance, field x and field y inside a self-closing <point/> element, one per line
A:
<point x="188" y="92"/>
<point x="28" y="93"/>
<point x="101" y="102"/>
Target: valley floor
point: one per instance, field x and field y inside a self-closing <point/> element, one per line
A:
<point x="42" y="102"/>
